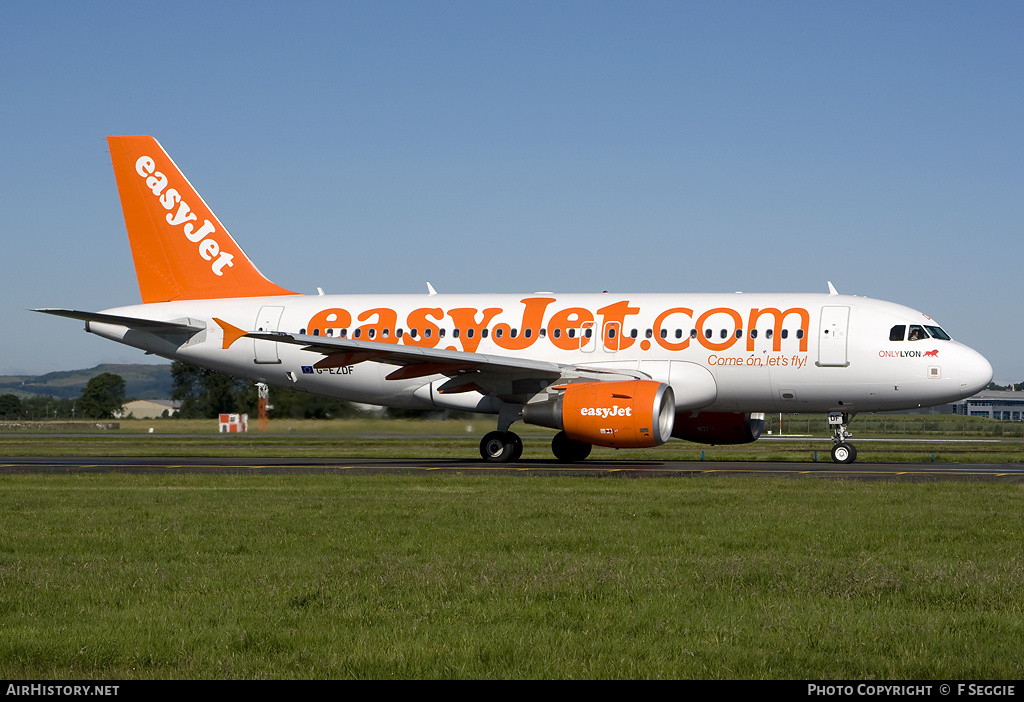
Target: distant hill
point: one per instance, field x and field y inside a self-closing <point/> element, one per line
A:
<point x="142" y="381"/>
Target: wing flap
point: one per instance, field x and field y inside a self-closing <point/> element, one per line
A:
<point x="415" y="361"/>
<point x="506" y="377"/>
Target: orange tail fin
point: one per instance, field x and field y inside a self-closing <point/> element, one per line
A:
<point x="180" y="248"/>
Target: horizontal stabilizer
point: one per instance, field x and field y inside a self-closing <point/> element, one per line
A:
<point x="153" y="326"/>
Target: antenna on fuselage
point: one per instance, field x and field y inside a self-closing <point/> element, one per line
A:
<point x="832" y="289"/>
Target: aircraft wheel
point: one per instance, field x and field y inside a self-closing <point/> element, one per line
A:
<point x="517" y="446"/>
<point x="501" y="447"/>
<point x="568" y="450"/>
<point x="844" y="453"/>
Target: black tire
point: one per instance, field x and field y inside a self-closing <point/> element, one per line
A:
<point x="517" y="446"/>
<point x="844" y="453"/>
<point x="568" y="450"/>
<point x="500" y="447"/>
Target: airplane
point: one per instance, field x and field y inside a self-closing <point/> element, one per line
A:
<point x="603" y="369"/>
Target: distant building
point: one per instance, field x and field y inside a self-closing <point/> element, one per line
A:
<point x="149" y="409"/>
<point x="994" y="404"/>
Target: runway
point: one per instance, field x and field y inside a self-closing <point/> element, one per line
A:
<point x="1001" y="472"/>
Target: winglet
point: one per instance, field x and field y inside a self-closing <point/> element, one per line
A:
<point x="180" y="248"/>
<point x="231" y="332"/>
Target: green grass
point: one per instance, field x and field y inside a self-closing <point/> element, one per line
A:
<point x="467" y="576"/>
<point x="976" y="442"/>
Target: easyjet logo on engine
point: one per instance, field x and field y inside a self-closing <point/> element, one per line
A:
<point x="183" y="216"/>
<point x="605" y="412"/>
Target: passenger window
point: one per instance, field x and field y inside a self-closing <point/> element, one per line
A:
<point x="753" y="333"/>
<point x="898" y="332"/>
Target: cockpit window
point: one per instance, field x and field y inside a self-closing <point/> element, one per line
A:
<point x="917" y="333"/>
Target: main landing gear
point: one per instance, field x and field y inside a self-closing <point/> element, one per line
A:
<point x="843" y="451"/>
<point x="506" y="447"/>
<point x="501" y="447"/>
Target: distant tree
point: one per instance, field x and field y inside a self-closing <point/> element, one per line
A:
<point x="102" y="398"/>
<point x="1012" y="386"/>
<point x="205" y="393"/>
<point x="39" y="407"/>
<point x="10" y="407"/>
<point x="293" y="404"/>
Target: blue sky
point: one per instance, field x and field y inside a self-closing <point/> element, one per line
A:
<point x="521" y="146"/>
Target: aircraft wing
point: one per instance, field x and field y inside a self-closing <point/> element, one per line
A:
<point x="147" y="325"/>
<point x="507" y="377"/>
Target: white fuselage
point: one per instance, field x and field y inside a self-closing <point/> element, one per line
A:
<point x="736" y="352"/>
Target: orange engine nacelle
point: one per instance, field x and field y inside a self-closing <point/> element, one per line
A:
<point x="620" y="414"/>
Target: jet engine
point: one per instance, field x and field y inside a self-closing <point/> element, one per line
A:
<point x="619" y="414"/>
<point x="719" y="427"/>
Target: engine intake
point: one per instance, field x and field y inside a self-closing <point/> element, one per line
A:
<point x="620" y="414"/>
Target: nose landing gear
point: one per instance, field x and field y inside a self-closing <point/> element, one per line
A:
<point x="843" y="451"/>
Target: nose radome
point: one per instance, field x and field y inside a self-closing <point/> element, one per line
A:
<point x="975" y="372"/>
